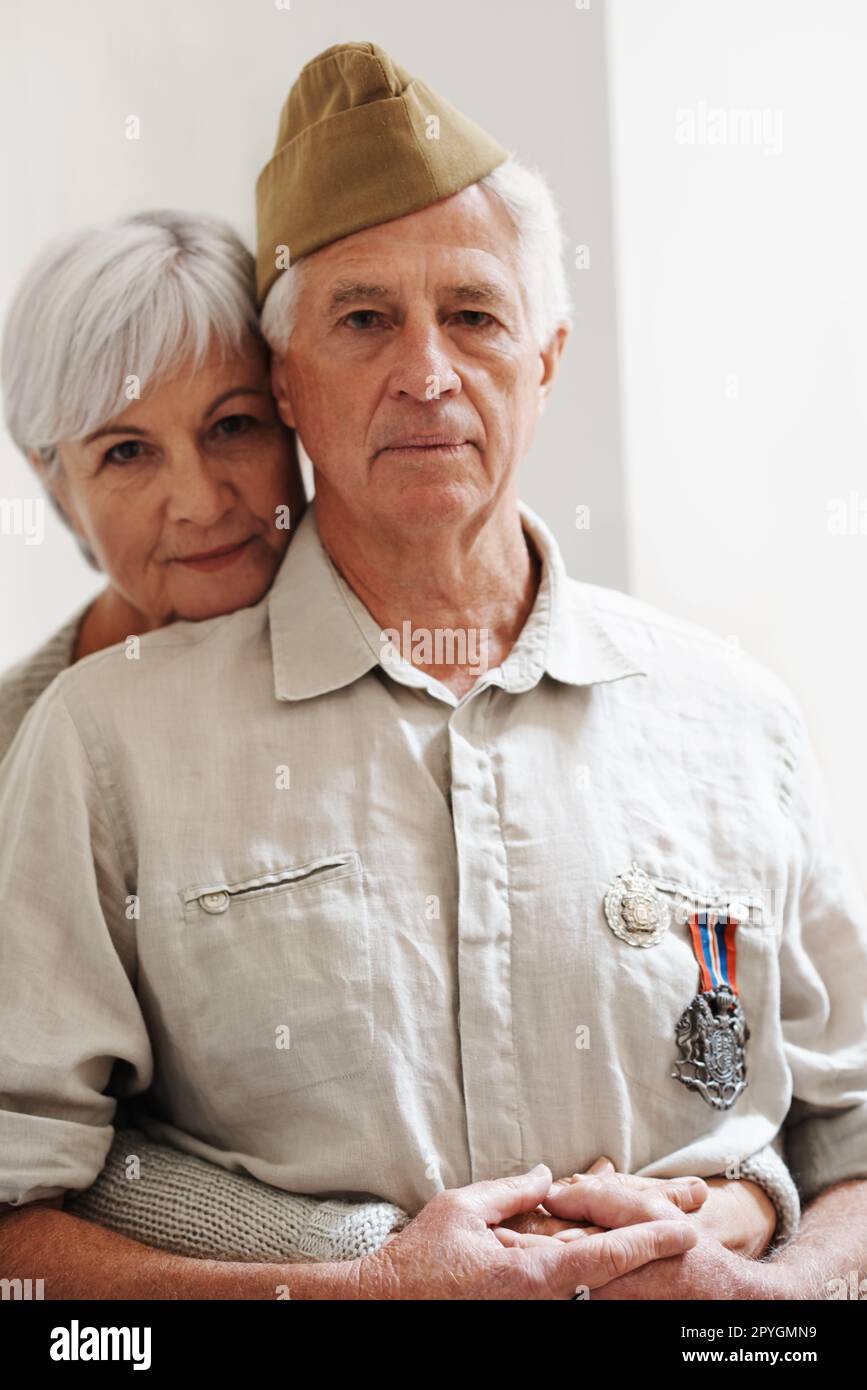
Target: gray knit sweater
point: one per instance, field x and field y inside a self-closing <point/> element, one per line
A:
<point x="181" y="1203"/>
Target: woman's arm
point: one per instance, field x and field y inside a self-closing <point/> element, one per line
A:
<point x="76" y="1259"/>
<point x="176" y="1202"/>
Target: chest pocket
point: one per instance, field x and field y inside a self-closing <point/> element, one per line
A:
<point x="277" y="976"/>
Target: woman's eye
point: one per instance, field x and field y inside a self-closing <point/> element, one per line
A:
<point x="126" y="452"/>
<point x="368" y="317"/>
<point x="234" y="424"/>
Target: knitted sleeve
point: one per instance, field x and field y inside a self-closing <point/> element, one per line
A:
<point x="177" y="1202"/>
<point x="768" y="1169"/>
<point x="22" y="684"/>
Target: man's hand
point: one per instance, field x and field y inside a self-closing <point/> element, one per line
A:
<point x="738" y="1213"/>
<point x="451" y="1250"/>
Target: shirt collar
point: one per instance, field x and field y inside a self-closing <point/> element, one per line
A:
<point x="565" y="635"/>
<point x="323" y="638"/>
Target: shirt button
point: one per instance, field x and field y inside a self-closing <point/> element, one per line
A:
<point x="214" y="902"/>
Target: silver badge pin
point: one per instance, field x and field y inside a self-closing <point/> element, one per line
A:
<point x="635" y="909"/>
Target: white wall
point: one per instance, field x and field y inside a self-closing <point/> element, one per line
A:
<point x="742" y="290"/>
<point x="206" y="79"/>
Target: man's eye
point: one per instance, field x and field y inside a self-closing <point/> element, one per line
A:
<point x="472" y="318"/>
<point x="126" y="452"/>
<point x="367" y="319"/>
<point x="234" y="424"/>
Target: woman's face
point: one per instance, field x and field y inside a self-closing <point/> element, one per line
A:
<point x="202" y="463"/>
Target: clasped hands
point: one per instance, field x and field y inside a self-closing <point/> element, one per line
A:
<point x="733" y="1215"/>
<point x="621" y="1236"/>
<point x="737" y="1212"/>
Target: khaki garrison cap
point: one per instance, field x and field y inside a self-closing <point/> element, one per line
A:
<point x="356" y="146"/>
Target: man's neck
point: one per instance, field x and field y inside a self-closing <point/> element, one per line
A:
<point x="457" y="598"/>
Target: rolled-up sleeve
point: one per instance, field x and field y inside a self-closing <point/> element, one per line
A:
<point x="68" y="1008"/>
<point x="823" y="963"/>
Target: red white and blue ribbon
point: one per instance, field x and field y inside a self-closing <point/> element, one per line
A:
<point x="714" y="944"/>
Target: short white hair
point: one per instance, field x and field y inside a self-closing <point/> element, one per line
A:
<point x="141" y="297"/>
<point x="529" y="202"/>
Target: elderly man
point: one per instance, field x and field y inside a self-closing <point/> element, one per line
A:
<point x="435" y="864"/>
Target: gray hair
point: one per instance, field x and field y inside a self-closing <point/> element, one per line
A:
<point x="528" y="200"/>
<point x="140" y="297"/>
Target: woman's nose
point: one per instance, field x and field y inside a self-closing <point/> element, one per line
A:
<point x="196" y="492"/>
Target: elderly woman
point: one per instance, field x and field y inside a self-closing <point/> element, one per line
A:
<point x="137" y="383"/>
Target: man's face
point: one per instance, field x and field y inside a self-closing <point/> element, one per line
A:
<point x="412" y="375"/>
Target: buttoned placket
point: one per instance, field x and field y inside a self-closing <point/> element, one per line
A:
<point x="487" y="1042"/>
<point x="484" y="923"/>
<point x="489" y="1064"/>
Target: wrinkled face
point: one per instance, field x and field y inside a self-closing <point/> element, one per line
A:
<point x="201" y="463"/>
<point x="412" y="374"/>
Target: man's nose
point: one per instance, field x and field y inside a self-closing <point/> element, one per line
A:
<point x="423" y="367"/>
<point x="196" y="490"/>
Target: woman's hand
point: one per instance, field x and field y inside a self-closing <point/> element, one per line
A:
<point x="541" y="1223"/>
<point x="561" y="1216"/>
<point x="740" y="1215"/>
<point x="737" y="1213"/>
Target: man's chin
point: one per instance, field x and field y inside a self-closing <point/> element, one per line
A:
<point x="429" y="505"/>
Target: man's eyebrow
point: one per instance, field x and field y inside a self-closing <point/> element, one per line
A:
<point x="215" y="405"/>
<point x="469" y="291"/>
<point x="482" y="291"/>
<point x="347" y="291"/>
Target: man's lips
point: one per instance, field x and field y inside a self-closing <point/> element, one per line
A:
<point x="424" y="443"/>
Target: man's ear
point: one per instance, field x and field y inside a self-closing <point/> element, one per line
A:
<point x="280" y="389"/>
<point x="549" y="362"/>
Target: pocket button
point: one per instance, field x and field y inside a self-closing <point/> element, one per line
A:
<point x="214" y="902"/>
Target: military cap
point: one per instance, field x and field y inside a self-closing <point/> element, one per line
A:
<point x="359" y="142"/>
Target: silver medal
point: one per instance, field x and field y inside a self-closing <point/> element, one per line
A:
<point x="635" y="909"/>
<point x="711" y="1034"/>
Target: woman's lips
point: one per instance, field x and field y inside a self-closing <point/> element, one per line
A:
<point x="215" y="560"/>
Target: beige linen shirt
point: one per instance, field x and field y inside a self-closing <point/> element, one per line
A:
<point x="330" y="924"/>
